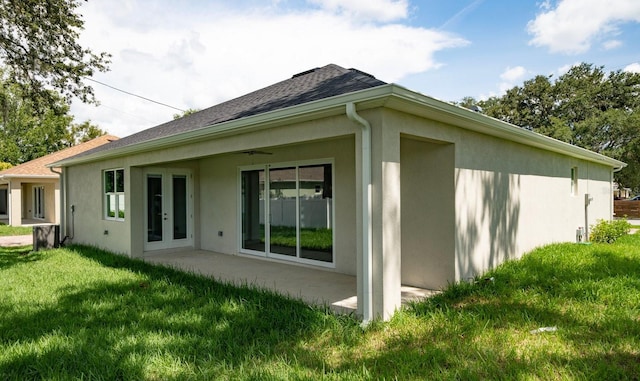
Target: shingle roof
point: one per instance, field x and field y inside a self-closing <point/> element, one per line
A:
<point x="311" y="85"/>
<point x="38" y="167"/>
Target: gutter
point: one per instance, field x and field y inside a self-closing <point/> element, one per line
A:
<point x="14" y="176"/>
<point x="391" y="96"/>
<point x="367" y="225"/>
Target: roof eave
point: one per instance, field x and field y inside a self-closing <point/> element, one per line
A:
<point x="408" y="101"/>
<point x="308" y="111"/>
<point x="14" y="176"/>
<point x="391" y="96"/>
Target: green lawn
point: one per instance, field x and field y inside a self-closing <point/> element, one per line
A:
<point x="6" y="230"/>
<point x="310" y="238"/>
<point x="80" y="313"/>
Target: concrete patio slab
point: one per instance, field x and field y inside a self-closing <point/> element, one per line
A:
<point x="313" y="286"/>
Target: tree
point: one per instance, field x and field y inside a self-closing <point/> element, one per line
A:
<point x="84" y="132"/>
<point x="186" y="112"/>
<point x="38" y="42"/>
<point x="587" y="107"/>
<point x="28" y="132"/>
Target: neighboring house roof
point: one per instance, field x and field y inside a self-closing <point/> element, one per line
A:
<point x="37" y="168"/>
<point x="317" y="93"/>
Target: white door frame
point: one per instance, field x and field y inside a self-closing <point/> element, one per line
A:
<point x="167" y="241"/>
<point x="267" y="212"/>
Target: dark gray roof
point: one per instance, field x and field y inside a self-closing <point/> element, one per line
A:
<point x="311" y="85"/>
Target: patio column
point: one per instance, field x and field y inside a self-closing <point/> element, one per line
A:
<point x="386" y="220"/>
<point x="15" y="203"/>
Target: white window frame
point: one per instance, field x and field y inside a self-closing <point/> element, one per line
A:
<point x="574" y="181"/>
<point x="266" y="167"/>
<point x="117" y="194"/>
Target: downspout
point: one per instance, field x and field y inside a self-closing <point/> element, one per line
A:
<point x="367" y="225"/>
<point x="63" y="205"/>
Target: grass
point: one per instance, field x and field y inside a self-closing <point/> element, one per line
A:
<point x="82" y="313"/>
<point x="6" y="230"/>
<point x="320" y="239"/>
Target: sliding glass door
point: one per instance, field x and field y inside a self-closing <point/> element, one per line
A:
<point x="316" y="212"/>
<point x="295" y="222"/>
<point x="282" y="211"/>
<point x="253" y="237"/>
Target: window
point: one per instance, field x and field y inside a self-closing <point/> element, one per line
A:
<point x="4" y="202"/>
<point x="574" y="181"/>
<point x="38" y="202"/>
<point x="114" y="194"/>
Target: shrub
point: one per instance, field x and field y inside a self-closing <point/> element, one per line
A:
<point x="609" y="231"/>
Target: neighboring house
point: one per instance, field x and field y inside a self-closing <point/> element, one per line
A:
<point x="621" y="193"/>
<point x="414" y="191"/>
<point x="29" y="192"/>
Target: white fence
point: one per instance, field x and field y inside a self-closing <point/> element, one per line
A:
<point x="314" y="213"/>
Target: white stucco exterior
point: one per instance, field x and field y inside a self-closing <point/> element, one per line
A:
<point x="454" y="193"/>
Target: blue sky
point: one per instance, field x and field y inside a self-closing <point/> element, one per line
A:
<point x="194" y="54"/>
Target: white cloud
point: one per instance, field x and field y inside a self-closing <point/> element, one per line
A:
<point x="191" y="55"/>
<point x="565" y="68"/>
<point x="509" y="77"/>
<point x="376" y="10"/>
<point x="512" y="74"/>
<point x="611" y="44"/>
<point x="632" y="68"/>
<point x="545" y="5"/>
<point x="573" y="25"/>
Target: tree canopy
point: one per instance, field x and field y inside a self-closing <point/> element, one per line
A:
<point x="28" y="131"/>
<point x="38" y="43"/>
<point x="586" y="106"/>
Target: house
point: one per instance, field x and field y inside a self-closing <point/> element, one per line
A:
<point x="29" y="192"/>
<point x="337" y="170"/>
<point x="621" y="193"/>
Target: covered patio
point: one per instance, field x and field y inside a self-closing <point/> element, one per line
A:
<point x="313" y="286"/>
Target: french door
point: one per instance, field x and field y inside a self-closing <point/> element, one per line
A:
<point x="169" y="205"/>
<point x="287" y="212"/>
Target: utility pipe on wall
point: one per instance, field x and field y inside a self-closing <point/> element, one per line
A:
<point x="587" y="201"/>
<point x="367" y="225"/>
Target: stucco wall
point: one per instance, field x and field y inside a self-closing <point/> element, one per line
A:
<point x="21" y="203"/>
<point x="87" y="224"/>
<point x="428" y="229"/>
<point x="15" y="203"/>
<point x="509" y="198"/>
<point x="215" y="168"/>
<point x="508" y="204"/>
<point x="497" y="199"/>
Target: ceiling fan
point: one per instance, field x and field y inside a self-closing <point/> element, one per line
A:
<point x="256" y="152"/>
